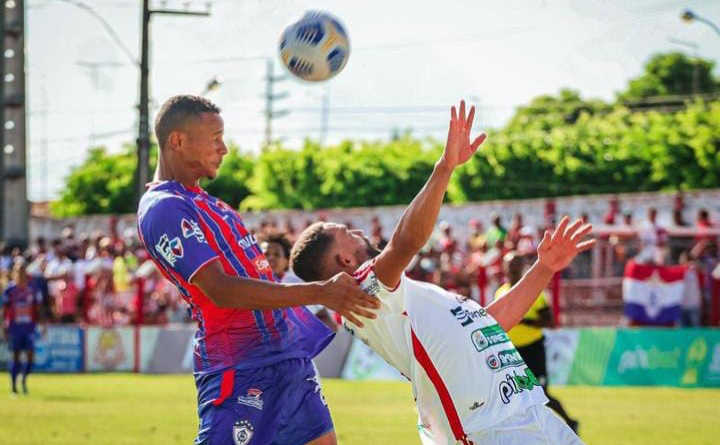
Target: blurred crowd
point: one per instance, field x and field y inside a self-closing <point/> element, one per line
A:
<point x="109" y="280"/>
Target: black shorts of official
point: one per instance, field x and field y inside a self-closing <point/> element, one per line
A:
<point x="534" y="356"/>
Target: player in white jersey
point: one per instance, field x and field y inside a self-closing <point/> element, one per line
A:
<point x="470" y="384"/>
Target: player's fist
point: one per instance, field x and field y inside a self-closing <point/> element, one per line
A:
<point x="342" y="294"/>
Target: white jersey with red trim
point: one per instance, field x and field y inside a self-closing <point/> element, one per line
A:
<point x="466" y="374"/>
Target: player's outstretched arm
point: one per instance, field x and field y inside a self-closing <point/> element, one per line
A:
<point x="340" y="293"/>
<point x="417" y="223"/>
<point x="555" y="252"/>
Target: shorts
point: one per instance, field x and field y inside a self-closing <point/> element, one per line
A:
<point x="277" y="404"/>
<point x="535" y="359"/>
<point x="21" y="340"/>
<point x="537" y="425"/>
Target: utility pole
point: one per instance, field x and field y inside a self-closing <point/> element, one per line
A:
<point x="270" y="98"/>
<point x="14" y="207"/>
<point x="142" y="175"/>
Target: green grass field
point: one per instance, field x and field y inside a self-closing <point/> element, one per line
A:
<point x="129" y="409"/>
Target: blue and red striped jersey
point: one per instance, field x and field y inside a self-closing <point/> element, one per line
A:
<point x="21" y="305"/>
<point x="184" y="229"/>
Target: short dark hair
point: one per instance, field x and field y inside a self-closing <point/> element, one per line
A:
<point x="308" y="253"/>
<point x="282" y="240"/>
<point x="176" y="111"/>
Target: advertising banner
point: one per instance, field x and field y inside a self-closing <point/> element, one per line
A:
<point x="608" y="356"/>
<point x="110" y="349"/>
<point x="363" y="363"/>
<point x="60" y="349"/>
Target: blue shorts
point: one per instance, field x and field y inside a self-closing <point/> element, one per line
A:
<point x="21" y="339"/>
<point x="279" y="404"/>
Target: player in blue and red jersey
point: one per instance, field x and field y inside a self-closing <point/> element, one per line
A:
<point x="254" y="344"/>
<point x="21" y="311"/>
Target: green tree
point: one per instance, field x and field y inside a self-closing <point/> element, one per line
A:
<point x="672" y="74"/>
<point x="232" y="183"/>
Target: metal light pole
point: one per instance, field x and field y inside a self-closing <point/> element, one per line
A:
<point x="689" y="16"/>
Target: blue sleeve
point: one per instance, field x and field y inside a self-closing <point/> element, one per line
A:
<point x="172" y="234"/>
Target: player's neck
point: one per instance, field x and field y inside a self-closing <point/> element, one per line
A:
<point x="167" y="171"/>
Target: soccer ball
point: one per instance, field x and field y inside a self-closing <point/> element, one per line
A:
<point x="316" y="47"/>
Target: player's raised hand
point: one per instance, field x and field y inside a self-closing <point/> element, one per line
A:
<point x="342" y="294"/>
<point x="458" y="148"/>
<point x="557" y="249"/>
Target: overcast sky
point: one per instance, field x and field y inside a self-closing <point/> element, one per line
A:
<point x="410" y="60"/>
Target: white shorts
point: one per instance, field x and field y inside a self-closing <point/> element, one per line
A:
<point x="538" y="425"/>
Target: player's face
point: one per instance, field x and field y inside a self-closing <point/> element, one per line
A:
<point x="352" y="244"/>
<point x="204" y="148"/>
<point x="276" y="257"/>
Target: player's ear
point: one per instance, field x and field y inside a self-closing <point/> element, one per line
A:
<point x="343" y="260"/>
<point x="175" y="139"/>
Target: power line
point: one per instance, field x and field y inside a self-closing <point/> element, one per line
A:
<point x="115" y="36"/>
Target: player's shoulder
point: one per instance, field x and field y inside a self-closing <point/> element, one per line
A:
<point x="369" y="282"/>
<point x="163" y="200"/>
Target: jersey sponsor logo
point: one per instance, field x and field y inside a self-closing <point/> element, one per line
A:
<point x="247" y="241"/>
<point x="169" y="249"/>
<point x="261" y="264"/>
<point x="488" y="336"/>
<point x="242" y="432"/>
<point x="466" y="317"/>
<point x="252" y="399"/>
<point x="191" y="228"/>
<point x="516" y="383"/>
<point x="505" y="359"/>
<point x="370" y="285"/>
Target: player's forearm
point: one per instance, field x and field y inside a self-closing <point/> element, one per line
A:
<point x="245" y="293"/>
<point x="512" y="307"/>
<point x="418" y="221"/>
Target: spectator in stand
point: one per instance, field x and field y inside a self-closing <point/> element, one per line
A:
<point x="611" y="216"/>
<point x="277" y="251"/>
<point x="692" y="293"/>
<point x="61" y="284"/>
<point x="496" y="232"/>
<point x="477" y="269"/>
<point x="515" y="232"/>
<point x="528" y="336"/>
<point x="477" y="235"/>
<point x="376" y="235"/>
<point x="447" y="242"/>
<point x="652" y="239"/>
<point x="705" y="252"/>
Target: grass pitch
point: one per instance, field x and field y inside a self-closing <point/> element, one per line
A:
<point x="115" y="409"/>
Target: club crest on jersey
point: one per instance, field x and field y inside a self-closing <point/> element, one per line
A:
<point x="169" y="249"/>
<point x="488" y="336"/>
<point x="252" y="399"/>
<point x="242" y="432"/>
<point x="191" y="228"/>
